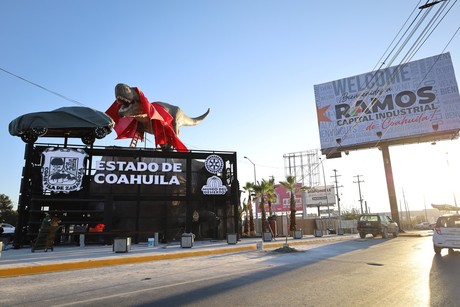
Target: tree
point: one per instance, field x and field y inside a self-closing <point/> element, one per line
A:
<point x="249" y="188"/>
<point x="271" y="195"/>
<point x="246" y="219"/>
<point x="7" y="214"/>
<point x="241" y="209"/>
<point x="352" y="214"/>
<point x="261" y="189"/>
<point x="291" y="185"/>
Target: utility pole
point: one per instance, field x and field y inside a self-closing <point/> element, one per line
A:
<point x="338" y="197"/>
<point x="408" y="217"/>
<point x="325" y="189"/>
<point x="359" y="188"/>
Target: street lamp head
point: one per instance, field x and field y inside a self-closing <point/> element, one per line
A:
<point x="249" y="160"/>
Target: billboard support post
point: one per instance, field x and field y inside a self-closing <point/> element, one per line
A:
<point x="390" y="182"/>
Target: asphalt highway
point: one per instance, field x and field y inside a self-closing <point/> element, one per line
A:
<point x="18" y="262"/>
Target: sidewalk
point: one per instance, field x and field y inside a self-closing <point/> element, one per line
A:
<point x="17" y="262"/>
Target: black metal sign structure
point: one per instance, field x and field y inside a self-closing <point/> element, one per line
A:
<point x="134" y="192"/>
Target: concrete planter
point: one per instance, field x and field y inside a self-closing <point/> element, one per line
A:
<point x="267" y="236"/>
<point x="232" y="238"/>
<point x="297" y="234"/>
<point x="187" y="240"/>
<point x="121" y="245"/>
<point x="318" y="233"/>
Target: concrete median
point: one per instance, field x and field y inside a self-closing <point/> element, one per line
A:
<point x="23" y="262"/>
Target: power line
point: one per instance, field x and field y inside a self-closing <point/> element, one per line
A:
<point x="420" y="41"/>
<point x="43" y="88"/>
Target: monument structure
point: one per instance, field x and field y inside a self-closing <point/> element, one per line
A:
<point x="135" y="192"/>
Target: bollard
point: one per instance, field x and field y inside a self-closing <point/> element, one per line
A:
<point x="155" y="243"/>
<point x="260" y="246"/>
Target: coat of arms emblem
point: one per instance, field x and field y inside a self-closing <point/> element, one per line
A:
<point x="63" y="169"/>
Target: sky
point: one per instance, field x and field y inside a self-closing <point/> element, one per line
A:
<point x="253" y="63"/>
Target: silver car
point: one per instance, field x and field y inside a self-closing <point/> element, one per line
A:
<point x="446" y="233"/>
<point x="8" y="229"/>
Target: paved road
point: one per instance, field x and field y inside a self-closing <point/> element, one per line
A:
<point x="396" y="272"/>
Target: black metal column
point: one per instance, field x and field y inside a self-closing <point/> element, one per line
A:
<point x="188" y="193"/>
<point x="24" y="197"/>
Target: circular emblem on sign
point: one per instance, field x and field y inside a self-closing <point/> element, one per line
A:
<point x="214" y="164"/>
<point x="195" y="216"/>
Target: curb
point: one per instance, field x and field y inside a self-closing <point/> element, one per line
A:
<point x="96" y="263"/>
<point x="89" y="264"/>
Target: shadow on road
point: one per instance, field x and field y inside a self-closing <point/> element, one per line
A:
<point x="285" y="264"/>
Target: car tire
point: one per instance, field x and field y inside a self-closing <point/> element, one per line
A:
<point x="437" y="249"/>
<point x="362" y="235"/>
<point x="385" y="233"/>
<point x="88" y="139"/>
<point x="395" y="234"/>
<point x="29" y="137"/>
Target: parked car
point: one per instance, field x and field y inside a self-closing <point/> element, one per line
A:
<point x="424" y="226"/>
<point x="446" y="233"/>
<point x="377" y="224"/>
<point x="7" y="234"/>
<point x="8" y="229"/>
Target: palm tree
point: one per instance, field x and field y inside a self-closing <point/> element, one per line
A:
<point x="271" y="196"/>
<point x="291" y="185"/>
<point x="246" y="219"/>
<point x="261" y="190"/>
<point x="249" y="188"/>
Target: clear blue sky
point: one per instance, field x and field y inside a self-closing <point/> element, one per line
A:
<point x="254" y="63"/>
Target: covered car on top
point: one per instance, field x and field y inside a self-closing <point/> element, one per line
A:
<point x="73" y="122"/>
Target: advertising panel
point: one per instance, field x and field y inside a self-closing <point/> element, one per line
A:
<point x="283" y="200"/>
<point x="320" y="196"/>
<point x="397" y="103"/>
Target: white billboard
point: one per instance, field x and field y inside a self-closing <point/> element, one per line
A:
<point x="412" y="99"/>
<point x="320" y="196"/>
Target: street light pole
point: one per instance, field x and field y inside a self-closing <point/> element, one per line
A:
<point x="254" y="166"/>
<point x="255" y="182"/>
